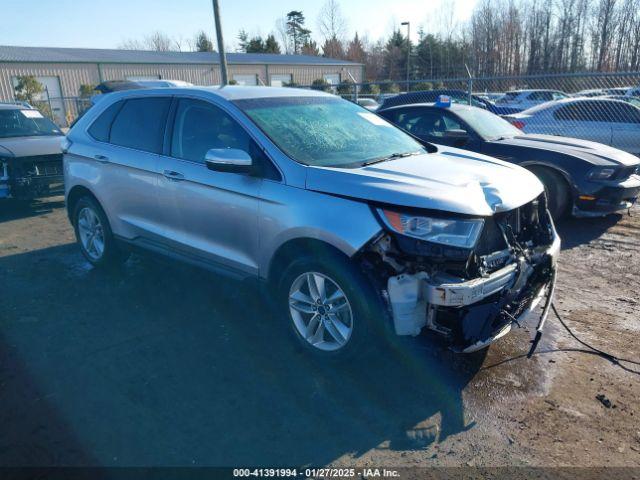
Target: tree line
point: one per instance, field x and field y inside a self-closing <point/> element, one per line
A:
<point x="502" y="37"/>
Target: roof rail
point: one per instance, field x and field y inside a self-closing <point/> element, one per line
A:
<point x="16" y="102"/>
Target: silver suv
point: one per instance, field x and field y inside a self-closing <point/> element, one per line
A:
<point x="361" y="231"/>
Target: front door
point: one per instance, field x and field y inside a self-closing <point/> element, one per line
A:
<point x="211" y="216"/>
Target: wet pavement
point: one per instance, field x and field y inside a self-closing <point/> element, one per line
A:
<point x="162" y="364"/>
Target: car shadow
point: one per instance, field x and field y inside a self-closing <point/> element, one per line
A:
<point x="14" y="209"/>
<point x="161" y="364"/>
<point x="578" y="231"/>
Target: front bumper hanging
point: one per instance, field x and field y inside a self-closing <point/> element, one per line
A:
<point x="475" y="313"/>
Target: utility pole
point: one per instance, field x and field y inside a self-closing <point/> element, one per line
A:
<point x="408" y="24"/>
<point x="221" y="54"/>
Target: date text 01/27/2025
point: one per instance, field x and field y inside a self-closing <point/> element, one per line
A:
<point x="316" y="473"/>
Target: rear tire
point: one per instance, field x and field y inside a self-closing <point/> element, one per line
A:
<point x="556" y="189"/>
<point x="94" y="234"/>
<point x="332" y="309"/>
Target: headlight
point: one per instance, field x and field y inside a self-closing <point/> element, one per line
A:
<point x="445" y="231"/>
<point x="601" y="173"/>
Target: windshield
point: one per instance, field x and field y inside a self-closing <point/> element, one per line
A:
<point x="327" y="131"/>
<point x="486" y="124"/>
<point x="16" y="122"/>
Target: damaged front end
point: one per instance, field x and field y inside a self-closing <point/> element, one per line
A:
<point x="29" y="177"/>
<point x="468" y="289"/>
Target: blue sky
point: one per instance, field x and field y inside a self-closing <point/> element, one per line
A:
<point x="76" y="23"/>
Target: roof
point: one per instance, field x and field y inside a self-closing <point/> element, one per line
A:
<point x="229" y="92"/>
<point x="95" y="55"/>
<point x="454" y="106"/>
<point x="526" y="90"/>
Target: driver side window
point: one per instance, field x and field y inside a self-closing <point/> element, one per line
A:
<point x="200" y="126"/>
<point x="427" y="122"/>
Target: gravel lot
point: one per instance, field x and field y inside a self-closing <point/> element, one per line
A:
<point x="166" y="365"/>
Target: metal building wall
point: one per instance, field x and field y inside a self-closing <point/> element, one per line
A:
<point x="71" y="76"/>
<point x="198" y="74"/>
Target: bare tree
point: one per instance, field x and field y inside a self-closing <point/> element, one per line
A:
<point x="283" y="36"/>
<point x="331" y="22"/>
<point x="157" y="41"/>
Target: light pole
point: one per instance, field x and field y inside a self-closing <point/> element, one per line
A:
<point x="221" y="54"/>
<point x="408" y="24"/>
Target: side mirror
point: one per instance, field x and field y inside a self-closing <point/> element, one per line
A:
<point x="228" y="160"/>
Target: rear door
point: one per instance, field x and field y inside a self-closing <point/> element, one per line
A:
<point x="626" y="128"/>
<point x="124" y="157"/>
<point x="212" y="216"/>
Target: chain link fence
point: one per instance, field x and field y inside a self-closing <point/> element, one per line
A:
<point x="601" y="107"/>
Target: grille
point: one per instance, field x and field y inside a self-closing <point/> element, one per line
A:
<point x="38" y="166"/>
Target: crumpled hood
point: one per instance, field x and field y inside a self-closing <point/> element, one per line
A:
<point x="451" y="180"/>
<point x="30" y="146"/>
<point x="592" y="152"/>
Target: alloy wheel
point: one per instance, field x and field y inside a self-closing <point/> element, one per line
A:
<point x="320" y="311"/>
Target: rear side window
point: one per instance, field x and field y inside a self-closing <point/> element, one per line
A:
<point x="140" y="124"/>
<point x="102" y="125"/>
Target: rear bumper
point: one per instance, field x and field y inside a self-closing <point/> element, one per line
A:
<point x="610" y="198"/>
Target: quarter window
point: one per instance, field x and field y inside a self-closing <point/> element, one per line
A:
<point x="140" y="124"/>
<point x="101" y="127"/>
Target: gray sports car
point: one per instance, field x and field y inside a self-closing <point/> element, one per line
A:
<point x="30" y="153"/>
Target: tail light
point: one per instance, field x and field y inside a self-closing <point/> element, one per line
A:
<point x="518" y="124"/>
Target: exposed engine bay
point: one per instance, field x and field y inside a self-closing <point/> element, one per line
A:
<point x="472" y="296"/>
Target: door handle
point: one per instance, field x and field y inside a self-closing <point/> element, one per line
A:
<point x="171" y="175"/>
<point x="101" y="158"/>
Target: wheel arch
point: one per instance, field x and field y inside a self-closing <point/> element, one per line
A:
<point x="75" y="194"/>
<point x="296" y="248"/>
<point x="532" y="166"/>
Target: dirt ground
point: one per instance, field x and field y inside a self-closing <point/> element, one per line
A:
<point x="162" y="364"/>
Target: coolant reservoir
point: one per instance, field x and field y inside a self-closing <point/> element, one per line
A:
<point x="408" y="303"/>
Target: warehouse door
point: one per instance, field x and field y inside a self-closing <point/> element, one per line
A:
<point x="332" y="78"/>
<point x="280" y="80"/>
<point x="246" y="79"/>
<point x="50" y="98"/>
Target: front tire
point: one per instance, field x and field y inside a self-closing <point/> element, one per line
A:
<point x="94" y="234"/>
<point x="557" y="191"/>
<point x="332" y="309"/>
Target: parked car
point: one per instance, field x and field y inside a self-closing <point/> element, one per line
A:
<point x="635" y="101"/>
<point x="368" y="103"/>
<point x="456" y="96"/>
<point x="582" y="178"/>
<point x="593" y="92"/>
<point x="627" y="91"/>
<point x="30" y="155"/>
<point x="491" y="96"/>
<point x="355" y="226"/>
<point x="610" y="122"/>
<point x="524" y="99"/>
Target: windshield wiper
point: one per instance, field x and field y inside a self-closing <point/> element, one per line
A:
<point x="393" y="156"/>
